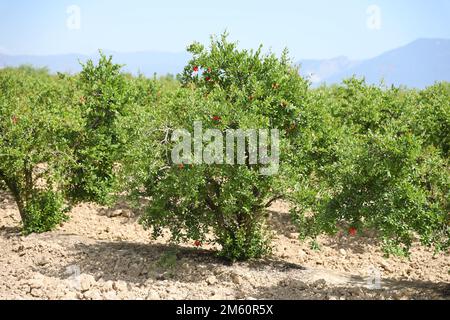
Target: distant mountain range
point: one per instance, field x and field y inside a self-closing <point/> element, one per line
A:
<point x="418" y="64"/>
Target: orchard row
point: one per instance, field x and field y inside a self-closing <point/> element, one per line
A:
<point x="353" y="156"/>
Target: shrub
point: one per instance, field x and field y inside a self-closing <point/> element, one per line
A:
<point x="35" y="121"/>
<point x="381" y="172"/>
<point x="44" y="210"/>
<point x="351" y="155"/>
<point x="104" y="99"/>
<point x="225" y="88"/>
<point x="432" y="118"/>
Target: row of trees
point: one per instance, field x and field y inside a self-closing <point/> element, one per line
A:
<point x="353" y="155"/>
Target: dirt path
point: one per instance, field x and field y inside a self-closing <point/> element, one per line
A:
<point x="94" y="256"/>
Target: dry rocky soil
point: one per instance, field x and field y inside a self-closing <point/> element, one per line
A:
<point x="105" y="254"/>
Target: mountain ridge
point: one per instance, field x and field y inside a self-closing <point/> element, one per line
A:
<point x="417" y="64"/>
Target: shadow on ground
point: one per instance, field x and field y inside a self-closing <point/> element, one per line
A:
<point x="389" y="289"/>
<point x="9" y="231"/>
<point x="138" y="262"/>
<point x="135" y="263"/>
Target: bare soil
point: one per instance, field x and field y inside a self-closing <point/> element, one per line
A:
<point x="105" y="254"/>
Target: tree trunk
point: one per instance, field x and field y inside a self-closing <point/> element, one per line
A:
<point x="15" y="190"/>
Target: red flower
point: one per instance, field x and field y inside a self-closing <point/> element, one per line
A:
<point x="14" y="119"/>
<point x="208" y="79"/>
<point x="352" y="231"/>
<point x="195" y="68"/>
<point x="197" y="243"/>
<point x="216" y="118"/>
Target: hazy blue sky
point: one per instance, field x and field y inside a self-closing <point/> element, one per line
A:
<point x="310" y="29"/>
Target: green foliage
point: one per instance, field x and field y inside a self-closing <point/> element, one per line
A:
<point x="44" y="211"/>
<point x="168" y="260"/>
<point x="36" y="120"/>
<point x="352" y="155"/>
<point x="225" y="88"/>
<point x="432" y="119"/>
<point x="314" y="245"/>
<point x="387" y="169"/>
<point x="104" y="99"/>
